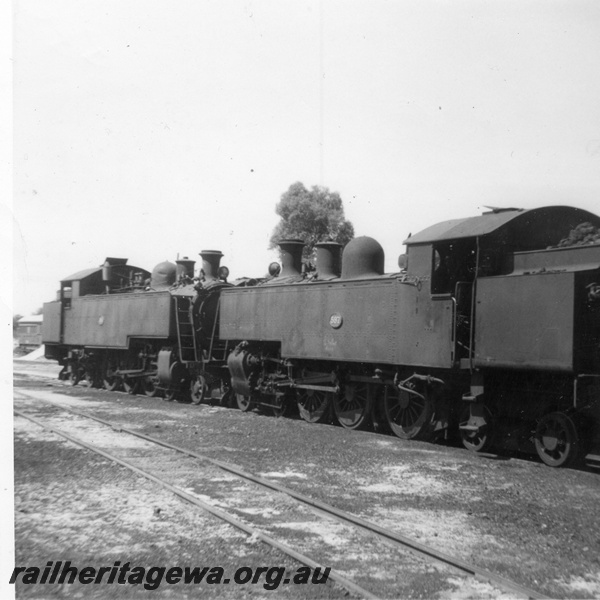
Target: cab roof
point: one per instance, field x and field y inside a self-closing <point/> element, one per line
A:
<point x="108" y="261"/>
<point x="544" y="224"/>
<point x="81" y="274"/>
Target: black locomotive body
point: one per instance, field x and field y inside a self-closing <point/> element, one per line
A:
<point x="121" y="326"/>
<point x="491" y="329"/>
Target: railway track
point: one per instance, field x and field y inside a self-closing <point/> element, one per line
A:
<point x="222" y="482"/>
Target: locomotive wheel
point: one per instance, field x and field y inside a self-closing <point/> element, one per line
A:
<point x="178" y="392"/>
<point x="74" y="376"/>
<point x="170" y="395"/>
<point x="111" y="383"/>
<point x="228" y="398"/>
<point x="110" y="380"/>
<point x="557" y="441"/>
<point x="409" y="415"/>
<point x="80" y="375"/>
<point x="198" y="389"/>
<point x="87" y="380"/>
<point x="131" y="385"/>
<point x="353" y="407"/>
<point x="282" y="406"/>
<point x="92" y="377"/>
<point x="314" y="406"/>
<point x="149" y="385"/>
<point x="480" y="439"/>
<point x="243" y="402"/>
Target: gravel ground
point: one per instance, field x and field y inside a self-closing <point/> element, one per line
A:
<point x="536" y="525"/>
<point x="369" y="562"/>
<point x="72" y="505"/>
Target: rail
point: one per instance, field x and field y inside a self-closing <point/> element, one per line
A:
<point x="343" y="516"/>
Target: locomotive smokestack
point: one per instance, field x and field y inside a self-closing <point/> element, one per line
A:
<point x="185" y="268"/>
<point x="329" y="260"/>
<point x="211" y="259"/>
<point x="107" y="272"/>
<point x="291" y="257"/>
<point x="107" y="276"/>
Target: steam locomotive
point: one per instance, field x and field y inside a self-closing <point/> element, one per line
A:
<point x="490" y="331"/>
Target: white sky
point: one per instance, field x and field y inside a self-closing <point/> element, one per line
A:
<point x="144" y="129"/>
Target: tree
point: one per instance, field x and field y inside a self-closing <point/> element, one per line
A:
<point x="315" y="215"/>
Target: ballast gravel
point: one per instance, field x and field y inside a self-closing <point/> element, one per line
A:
<point x="516" y="517"/>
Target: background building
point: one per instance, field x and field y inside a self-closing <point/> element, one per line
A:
<point x="29" y="332"/>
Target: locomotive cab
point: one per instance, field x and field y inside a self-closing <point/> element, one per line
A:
<point x="533" y="328"/>
<point x="113" y="276"/>
<point x="462" y="259"/>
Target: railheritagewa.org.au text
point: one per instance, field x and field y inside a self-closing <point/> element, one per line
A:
<point x="151" y="578"/>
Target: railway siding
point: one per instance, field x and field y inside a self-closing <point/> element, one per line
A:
<point x="369" y="562"/>
<point x="510" y="516"/>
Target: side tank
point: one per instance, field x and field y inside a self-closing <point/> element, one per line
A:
<point x="330" y="318"/>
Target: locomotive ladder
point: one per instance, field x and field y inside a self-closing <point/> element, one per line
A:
<point x="218" y="348"/>
<point x="185" y="330"/>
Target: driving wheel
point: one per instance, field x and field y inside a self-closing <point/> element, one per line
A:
<point x="409" y="414"/>
<point x="353" y="407"/>
<point x="314" y="406"/>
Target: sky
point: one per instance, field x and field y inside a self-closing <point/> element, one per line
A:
<point x="154" y="129"/>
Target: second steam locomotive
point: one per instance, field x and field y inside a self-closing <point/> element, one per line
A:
<point x="490" y="330"/>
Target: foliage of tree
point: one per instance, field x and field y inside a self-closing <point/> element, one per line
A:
<point x="38" y="311"/>
<point x="315" y="215"/>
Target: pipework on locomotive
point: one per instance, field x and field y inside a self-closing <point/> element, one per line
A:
<point x="489" y="332"/>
